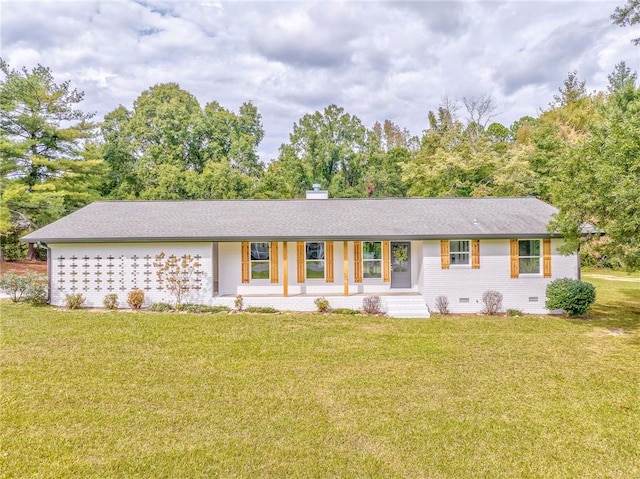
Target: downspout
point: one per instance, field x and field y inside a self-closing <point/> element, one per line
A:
<point x="48" y="270"/>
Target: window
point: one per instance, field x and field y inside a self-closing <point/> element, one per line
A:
<point x="529" y="256"/>
<point x="459" y="252"/>
<point x="372" y="259"/>
<point x="259" y="260"/>
<point x="315" y="260"/>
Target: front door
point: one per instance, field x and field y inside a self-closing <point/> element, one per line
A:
<point x="401" y="264"/>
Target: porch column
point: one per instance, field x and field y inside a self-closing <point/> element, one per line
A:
<point x="345" y="256"/>
<point x="285" y="272"/>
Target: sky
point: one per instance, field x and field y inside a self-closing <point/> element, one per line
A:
<point x="378" y="60"/>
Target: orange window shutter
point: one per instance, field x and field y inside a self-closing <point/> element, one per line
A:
<point x="515" y="266"/>
<point x="445" y="260"/>
<point x="328" y="251"/>
<point x="475" y="254"/>
<point x="357" y="261"/>
<point x="273" y="261"/>
<point x="301" y="257"/>
<point x="246" y="269"/>
<point x="546" y="257"/>
<point x="386" y="261"/>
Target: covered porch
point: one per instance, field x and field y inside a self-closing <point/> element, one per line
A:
<point x="397" y="304"/>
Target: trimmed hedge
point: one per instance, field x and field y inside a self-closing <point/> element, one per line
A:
<point x="573" y="296"/>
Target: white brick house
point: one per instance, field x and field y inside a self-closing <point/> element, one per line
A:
<point x="286" y="253"/>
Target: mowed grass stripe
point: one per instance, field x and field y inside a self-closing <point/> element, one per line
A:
<point x="88" y="394"/>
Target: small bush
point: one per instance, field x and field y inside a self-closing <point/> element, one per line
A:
<point x="15" y="285"/>
<point x="514" y="312"/>
<point x="492" y="301"/>
<point x="202" y="308"/>
<point x="573" y="296"/>
<point x="372" y="305"/>
<point x="135" y="299"/>
<point x="74" y="301"/>
<point x="345" y="311"/>
<point x="322" y="304"/>
<point x="161" y="307"/>
<point x="239" y="302"/>
<point x="110" y="301"/>
<point x="260" y="309"/>
<point x="442" y="305"/>
<point x="37" y="292"/>
<point x="31" y="286"/>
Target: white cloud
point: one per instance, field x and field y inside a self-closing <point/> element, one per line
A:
<point x="379" y="60"/>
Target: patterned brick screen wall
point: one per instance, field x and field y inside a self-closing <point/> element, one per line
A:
<point x="95" y="271"/>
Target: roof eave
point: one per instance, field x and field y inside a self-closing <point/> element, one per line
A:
<point x="228" y="239"/>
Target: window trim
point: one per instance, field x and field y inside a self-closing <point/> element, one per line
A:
<point x="452" y="264"/>
<point x="372" y="260"/>
<point x="323" y="260"/>
<point x="260" y="261"/>
<point x="539" y="257"/>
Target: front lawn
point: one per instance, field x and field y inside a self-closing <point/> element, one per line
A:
<point x="120" y="394"/>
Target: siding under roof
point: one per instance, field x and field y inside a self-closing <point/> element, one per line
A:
<point x="330" y="219"/>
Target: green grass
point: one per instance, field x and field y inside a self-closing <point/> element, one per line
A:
<point x="119" y="394"/>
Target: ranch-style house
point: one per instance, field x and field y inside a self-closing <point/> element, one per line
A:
<point x="287" y="253"/>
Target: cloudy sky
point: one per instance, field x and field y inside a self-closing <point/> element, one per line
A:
<point x="378" y="60"/>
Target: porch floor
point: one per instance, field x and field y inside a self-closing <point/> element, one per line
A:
<point x="315" y="295"/>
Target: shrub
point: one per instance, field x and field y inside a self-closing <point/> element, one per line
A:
<point x="202" y="308"/>
<point x="260" y="309"/>
<point x="345" y="311"/>
<point x="14" y="251"/>
<point x="110" y="301"/>
<point x="74" y="301"/>
<point x="161" y="307"/>
<point x="135" y="299"/>
<point x="32" y="286"/>
<point x="372" y="305"/>
<point x="239" y="302"/>
<point x="322" y="304"/>
<point x="492" y="301"/>
<point x="573" y="296"/>
<point x="37" y="291"/>
<point x="15" y="285"/>
<point x="442" y="305"/>
<point x="514" y="312"/>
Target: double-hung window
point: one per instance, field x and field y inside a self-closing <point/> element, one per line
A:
<point x="529" y="256"/>
<point x="314" y="257"/>
<point x="459" y="252"/>
<point x="260" y="260"/>
<point x="372" y="259"/>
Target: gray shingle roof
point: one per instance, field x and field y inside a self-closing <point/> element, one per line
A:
<point x="330" y="219"/>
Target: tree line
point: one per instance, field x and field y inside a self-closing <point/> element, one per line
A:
<point x="581" y="154"/>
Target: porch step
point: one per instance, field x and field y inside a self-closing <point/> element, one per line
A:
<point x="406" y="307"/>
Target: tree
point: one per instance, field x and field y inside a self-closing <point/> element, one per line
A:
<point x="628" y="15"/>
<point x="571" y="91"/>
<point x="466" y="158"/>
<point x="599" y="178"/>
<point x="49" y="168"/>
<point x="325" y="147"/>
<point x="621" y="77"/>
<point x="178" y="274"/>
<point x="160" y="149"/>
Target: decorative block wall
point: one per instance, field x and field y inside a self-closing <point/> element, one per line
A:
<point x="95" y="270"/>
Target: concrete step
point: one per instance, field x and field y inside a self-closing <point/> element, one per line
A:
<point x="407" y="307"/>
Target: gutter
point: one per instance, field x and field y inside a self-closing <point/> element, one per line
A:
<point x="229" y="239"/>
